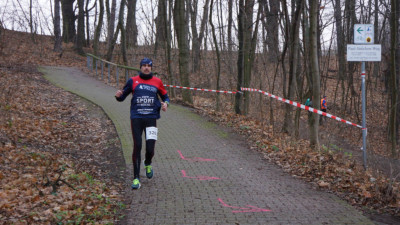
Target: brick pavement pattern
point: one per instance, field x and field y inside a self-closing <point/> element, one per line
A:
<point x="204" y="174"/>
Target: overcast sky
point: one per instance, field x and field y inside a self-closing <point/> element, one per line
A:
<point x="14" y="14"/>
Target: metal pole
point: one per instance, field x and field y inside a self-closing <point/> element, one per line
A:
<point x="117" y="76"/>
<point x="102" y="70"/>
<point x="109" y="73"/>
<point x="87" y="61"/>
<point x="91" y="63"/>
<point x="364" y="127"/>
<point x="96" y="68"/>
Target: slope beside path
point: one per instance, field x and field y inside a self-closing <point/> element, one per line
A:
<point x="204" y="174"/>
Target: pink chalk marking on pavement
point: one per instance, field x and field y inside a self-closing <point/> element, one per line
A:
<point x="195" y="158"/>
<point x="242" y="210"/>
<point x="199" y="177"/>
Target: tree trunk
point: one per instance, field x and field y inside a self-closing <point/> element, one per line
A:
<point x="340" y="39"/>
<point x="239" y="96"/>
<point x="57" y="29"/>
<point x="306" y="58"/>
<point x="98" y="29"/>
<point x="197" y="39"/>
<point x="240" y="61"/>
<point x="131" y="27"/>
<point x="246" y="52"/>
<point x="272" y="31"/>
<point x="216" y="51"/>
<point x="181" y="29"/>
<point x="230" y="22"/>
<point x="394" y="82"/>
<point x="293" y="60"/>
<point x="31" y="21"/>
<point x="110" y="31"/>
<point x="286" y="34"/>
<point x="376" y="36"/>
<point x="80" y="37"/>
<point x="314" y="9"/>
<point x="160" y="28"/>
<point x="351" y="19"/>
<point x="69" y="17"/>
<point x="397" y="69"/>
<point x="221" y="26"/>
<point x="87" y="43"/>
<point x="123" y="34"/>
<point x="167" y="34"/>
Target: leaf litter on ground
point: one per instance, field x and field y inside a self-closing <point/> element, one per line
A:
<point x="53" y="152"/>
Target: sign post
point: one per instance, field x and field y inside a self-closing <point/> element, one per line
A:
<point x="364" y="50"/>
<point x="364" y="122"/>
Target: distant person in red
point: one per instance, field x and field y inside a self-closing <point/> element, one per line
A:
<point x="145" y="110"/>
<point x="323" y="109"/>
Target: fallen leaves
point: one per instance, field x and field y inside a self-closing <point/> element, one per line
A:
<point x="51" y="152"/>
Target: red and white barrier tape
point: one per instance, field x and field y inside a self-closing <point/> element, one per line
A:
<point x="302" y="106"/>
<point x="200" y="89"/>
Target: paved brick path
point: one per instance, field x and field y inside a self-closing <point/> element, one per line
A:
<point x="205" y="175"/>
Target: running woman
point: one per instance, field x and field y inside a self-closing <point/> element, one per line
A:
<point x="145" y="110"/>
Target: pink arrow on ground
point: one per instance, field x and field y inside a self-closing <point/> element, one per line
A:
<point x="242" y="210"/>
<point x="199" y="177"/>
<point x="195" y="158"/>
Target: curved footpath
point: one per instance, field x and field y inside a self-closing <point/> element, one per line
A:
<point x="204" y="175"/>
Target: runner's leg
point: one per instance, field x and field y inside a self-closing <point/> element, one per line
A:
<point x="137" y="127"/>
<point x="150" y="144"/>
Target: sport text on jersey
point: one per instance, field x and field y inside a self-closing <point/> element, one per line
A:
<point x="145" y="100"/>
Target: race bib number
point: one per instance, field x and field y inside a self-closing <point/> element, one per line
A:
<point x="151" y="133"/>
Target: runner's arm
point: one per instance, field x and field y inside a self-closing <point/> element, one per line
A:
<point x="125" y="91"/>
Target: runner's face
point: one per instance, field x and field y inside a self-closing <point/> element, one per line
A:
<point x="146" y="68"/>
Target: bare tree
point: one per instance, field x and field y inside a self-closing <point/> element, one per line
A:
<point x="394" y="29"/>
<point x="87" y="10"/>
<point x="293" y="60"/>
<point x="167" y="35"/>
<point x="230" y="22"/>
<point x="121" y="27"/>
<point x="160" y="25"/>
<point x="314" y="9"/>
<point x="272" y="15"/>
<point x="110" y="31"/>
<point x="340" y="40"/>
<point x="68" y="20"/>
<point x="98" y="29"/>
<point x="57" y="29"/>
<point x="80" y="37"/>
<point x="131" y="27"/>
<point x="351" y="19"/>
<point x="247" y="42"/>
<point x="31" y="21"/>
<point x="216" y="51"/>
<point x="181" y="28"/>
<point x="197" y="38"/>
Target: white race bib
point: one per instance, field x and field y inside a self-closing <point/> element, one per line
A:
<point x="151" y="133"/>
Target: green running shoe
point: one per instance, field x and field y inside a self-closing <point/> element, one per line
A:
<point x="135" y="184"/>
<point x="149" y="171"/>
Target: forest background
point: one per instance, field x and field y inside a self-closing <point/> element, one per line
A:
<point x="294" y="49"/>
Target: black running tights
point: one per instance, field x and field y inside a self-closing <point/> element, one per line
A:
<point x="138" y="126"/>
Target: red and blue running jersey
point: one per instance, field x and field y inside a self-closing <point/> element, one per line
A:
<point x="145" y="102"/>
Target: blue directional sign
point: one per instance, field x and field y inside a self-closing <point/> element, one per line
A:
<point x="363" y="34"/>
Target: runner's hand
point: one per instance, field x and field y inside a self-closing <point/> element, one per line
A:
<point x="164" y="106"/>
<point x="118" y="93"/>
